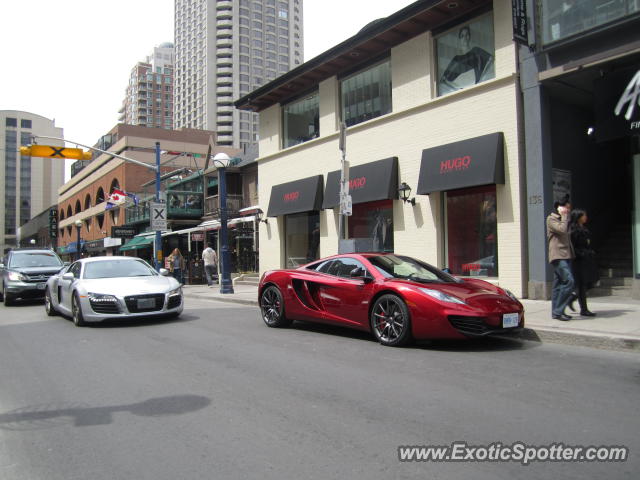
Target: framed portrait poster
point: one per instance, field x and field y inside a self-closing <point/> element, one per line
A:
<point x="465" y="55"/>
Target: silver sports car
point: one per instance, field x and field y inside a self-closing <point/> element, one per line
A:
<point x="100" y="288"/>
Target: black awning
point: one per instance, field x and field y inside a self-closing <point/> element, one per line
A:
<point x="367" y="183"/>
<point x="469" y="163"/>
<point x="294" y="197"/>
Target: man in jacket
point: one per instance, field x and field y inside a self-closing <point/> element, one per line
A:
<point x="560" y="256"/>
<point x="210" y="259"/>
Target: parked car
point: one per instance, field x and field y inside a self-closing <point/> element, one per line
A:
<point x="25" y="271"/>
<point x="99" y="288"/>
<point x="397" y="298"/>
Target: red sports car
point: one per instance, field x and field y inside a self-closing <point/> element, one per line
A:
<point x="395" y="297"/>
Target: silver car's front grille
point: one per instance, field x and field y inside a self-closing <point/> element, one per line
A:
<point x="145" y="303"/>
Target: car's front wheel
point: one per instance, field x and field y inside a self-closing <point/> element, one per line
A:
<point x="76" y="312"/>
<point x="272" y="308"/>
<point x="48" y="306"/>
<point x="390" y="321"/>
<point x="8" y="298"/>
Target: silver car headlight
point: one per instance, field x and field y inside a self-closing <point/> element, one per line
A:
<point x="17" y="277"/>
<point x="443" y="297"/>
<point x="101" y="298"/>
<point x="177" y="291"/>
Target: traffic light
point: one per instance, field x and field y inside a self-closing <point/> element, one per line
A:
<point x="49" y="151"/>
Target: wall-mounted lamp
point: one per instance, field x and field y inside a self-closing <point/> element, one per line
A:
<point x="405" y="192"/>
<point x="260" y="217"/>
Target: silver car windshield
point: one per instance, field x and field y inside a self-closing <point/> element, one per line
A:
<point x="39" y="259"/>
<point x="118" y="268"/>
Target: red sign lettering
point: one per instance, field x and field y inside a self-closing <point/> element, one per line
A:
<point x="356" y="183"/>
<point x="455" y="164"/>
<point x="291" y="197"/>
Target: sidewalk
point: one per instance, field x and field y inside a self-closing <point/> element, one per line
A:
<point x="616" y="326"/>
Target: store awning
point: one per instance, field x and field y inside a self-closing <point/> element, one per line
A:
<point x="137" y="242"/>
<point x="367" y="183"/>
<point x="469" y="163"/>
<point x="295" y="197"/>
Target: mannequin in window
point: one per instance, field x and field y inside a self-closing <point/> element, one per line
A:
<point x="476" y="59"/>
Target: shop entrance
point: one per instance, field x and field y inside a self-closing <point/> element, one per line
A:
<point x="597" y="174"/>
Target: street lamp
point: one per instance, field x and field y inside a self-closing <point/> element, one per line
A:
<point x="78" y="224"/>
<point x="226" y="286"/>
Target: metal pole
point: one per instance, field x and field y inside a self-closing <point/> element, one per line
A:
<point x="344" y="183"/>
<point x="78" y="251"/>
<point x="157" y="250"/>
<point x="226" y="285"/>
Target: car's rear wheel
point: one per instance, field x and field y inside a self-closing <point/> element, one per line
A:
<point x="8" y="298"/>
<point x="48" y="306"/>
<point x="76" y="312"/>
<point x="272" y="308"/>
<point x="390" y="321"/>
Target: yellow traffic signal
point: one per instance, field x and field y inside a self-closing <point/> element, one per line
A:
<point x="48" y="151"/>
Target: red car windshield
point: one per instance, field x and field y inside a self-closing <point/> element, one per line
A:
<point x="407" y="268"/>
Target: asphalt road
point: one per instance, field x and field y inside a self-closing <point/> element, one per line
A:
<point x="217" y="395"/>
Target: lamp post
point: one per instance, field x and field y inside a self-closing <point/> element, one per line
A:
<point x="226" y="286"/>
<point x="78" y="224"/>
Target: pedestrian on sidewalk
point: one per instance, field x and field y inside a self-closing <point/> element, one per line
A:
<point x="210" y="259"/>
<point x="176" y="265"/>
<point x="560" y="256"/>
<point x="585" y="267"/>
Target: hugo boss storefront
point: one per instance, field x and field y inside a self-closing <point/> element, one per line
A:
<point x="373" y="186"/>
<point x="466" y="173"/>
<point x="298" y="203"/>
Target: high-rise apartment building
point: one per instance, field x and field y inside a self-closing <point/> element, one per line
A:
<point x="226" y="49"/>
<point x="28" y="185"/>
<point x="149" y="97"/>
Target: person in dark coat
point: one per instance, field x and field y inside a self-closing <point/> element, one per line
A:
<point x="585" y="268"/>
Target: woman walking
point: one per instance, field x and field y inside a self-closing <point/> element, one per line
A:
<point x="585" y="268"/>
<point x="176" y="265"/>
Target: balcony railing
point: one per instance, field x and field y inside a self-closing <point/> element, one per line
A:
<point x="561" y="20"/>
<point x="180" y="205"/>
<point x="212" y="205"/>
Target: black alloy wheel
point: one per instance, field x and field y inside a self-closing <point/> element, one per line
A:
<point x="390" y="321"/>
<point x="272" y="308"/>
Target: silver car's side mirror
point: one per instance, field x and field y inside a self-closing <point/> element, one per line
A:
<point x="164" y="272"/>
<point x="68" y="276"/>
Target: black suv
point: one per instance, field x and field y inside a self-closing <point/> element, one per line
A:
<point x="24" y="273"/>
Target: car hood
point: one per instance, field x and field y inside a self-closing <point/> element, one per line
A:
<point x="130" y="285"/>
<point x="37" y="270"/>
<point x="475" y="293"/>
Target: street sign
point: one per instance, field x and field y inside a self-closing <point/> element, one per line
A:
<point x="53" y="223"/>
<point x="158" y="216"/>
<point x="123" y="232"/>
<point x="346" y="206"/>
<point x="49" y="151"/>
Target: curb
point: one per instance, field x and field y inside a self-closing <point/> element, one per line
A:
<point x="537" y="335"/>
<point x="581" y="339"/>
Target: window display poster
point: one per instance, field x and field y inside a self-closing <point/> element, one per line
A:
<point x="561" y="184"/>
<point x="465" y="55"/>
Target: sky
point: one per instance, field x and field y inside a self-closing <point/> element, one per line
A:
<point x="70" y="60"/>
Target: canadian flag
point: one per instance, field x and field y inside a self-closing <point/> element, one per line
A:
<point x="116" y="198"/>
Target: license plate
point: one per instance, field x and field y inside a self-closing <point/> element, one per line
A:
<point x="146" y="302"/>
<point x="510" y="320"/>
<point x="42" y="286"/>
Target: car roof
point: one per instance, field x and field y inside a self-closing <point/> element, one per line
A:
<point x="106" y="258"/>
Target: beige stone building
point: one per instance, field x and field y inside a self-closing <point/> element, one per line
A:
<point x="429" y="96"/>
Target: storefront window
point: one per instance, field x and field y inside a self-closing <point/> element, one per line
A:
<point x="371" y="225"/>
<point x="563" y="18"/>
<point x="301" y="120"/>
<point x="465" y="55"/>
<point x="302" y="232"/>
<point x="472" y="235"/>
<point x="366" y="95"/>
